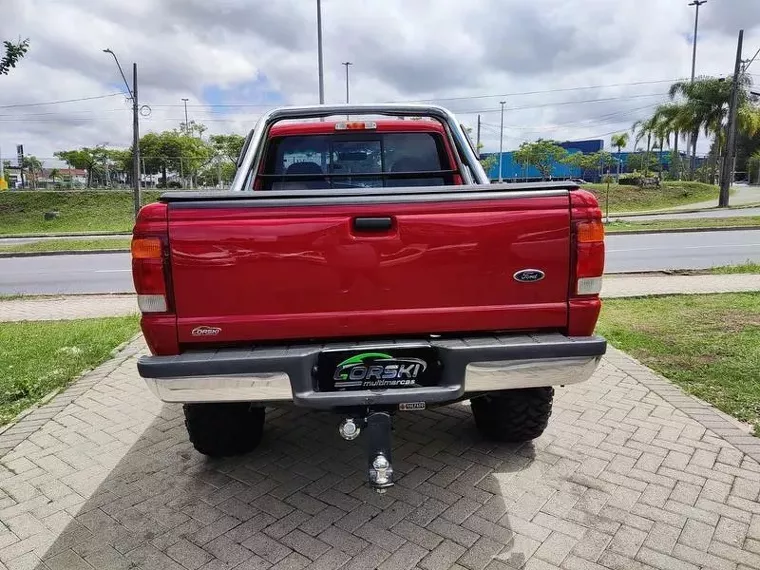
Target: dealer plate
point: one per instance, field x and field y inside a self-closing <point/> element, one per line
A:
<point x="378" y="369"/>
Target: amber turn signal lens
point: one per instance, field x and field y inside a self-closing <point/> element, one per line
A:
<point x="146" y="248"/>
<point x="589" y="232"/>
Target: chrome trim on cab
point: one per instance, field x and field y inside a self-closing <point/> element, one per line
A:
<point x="253" y="152"/>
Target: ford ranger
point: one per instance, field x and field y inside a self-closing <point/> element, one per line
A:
<point x="368" y="267"/>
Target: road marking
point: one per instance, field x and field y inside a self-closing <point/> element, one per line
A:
<point x="676" y="249"/>
<point x="112" y="270"/>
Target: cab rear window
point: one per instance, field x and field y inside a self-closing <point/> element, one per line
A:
<point x="356" y="160"/>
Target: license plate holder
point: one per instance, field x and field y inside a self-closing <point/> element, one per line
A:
<point x="381" y="369"/>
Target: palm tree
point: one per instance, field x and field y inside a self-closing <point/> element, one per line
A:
<point x="670" y="120"/>
<point x="705" y="109"/>
<point x="645" y="128"/>
<point x="619" y="141"/>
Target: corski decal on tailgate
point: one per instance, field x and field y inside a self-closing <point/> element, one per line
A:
<point x="378" y="370"/>
<point x="206" y="331"/>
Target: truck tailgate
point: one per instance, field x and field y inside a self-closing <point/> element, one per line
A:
<point x="299" y="268"/>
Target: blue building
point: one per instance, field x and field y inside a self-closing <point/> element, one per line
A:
<point x="512" y="171"/>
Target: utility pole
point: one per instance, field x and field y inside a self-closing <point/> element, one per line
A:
<point x="187" y="125"/>
<point x="692" y="144"/>
<point x="501" y="140"/>
<point x="135" y="142"/>
<point x="319" y="54"/>
<point x="727" y="171"/>
<point x="135" y="129"/>
<point x="477" y="143"/>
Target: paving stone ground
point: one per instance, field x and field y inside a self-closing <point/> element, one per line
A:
<point x="631" y="474"/>
<point x="91" y="306"/>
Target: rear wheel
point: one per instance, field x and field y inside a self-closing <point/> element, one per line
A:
<point x="513" y="415"/>
<point x="221" y="430"/>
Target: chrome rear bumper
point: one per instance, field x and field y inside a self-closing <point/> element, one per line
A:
<point x="479" y="377"/>
<point x="470" y="365"/>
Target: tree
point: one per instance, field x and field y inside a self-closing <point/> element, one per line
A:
<point x="86" y="158"/>
<point x="619" y="141"/>
<point x="174" y="151"/>
<point x="228" y="146"/>
<point x="641" y="162"/>
<point x="645" y="129"/>
<point x="704" y="108"/>
<point x="33" y="167"/>
<point x="543" y="154"/>
<point x="13" y="54"/>
<point x="55" y="174"/>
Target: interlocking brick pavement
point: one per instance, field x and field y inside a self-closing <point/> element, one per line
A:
<point x="631" y="474"/>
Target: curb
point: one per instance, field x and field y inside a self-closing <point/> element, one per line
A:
<point x="681" y="230"/>
<point x="65" y="252"/>
<point x="689" y="211"/>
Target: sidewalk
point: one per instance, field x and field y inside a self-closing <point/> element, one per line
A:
<point x="93" y="306"/>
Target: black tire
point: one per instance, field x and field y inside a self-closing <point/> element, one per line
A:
<point x="221" y="430"/>
<point x="513" y="415"/>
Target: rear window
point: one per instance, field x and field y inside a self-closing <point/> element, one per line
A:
<point x="356" y="160"/>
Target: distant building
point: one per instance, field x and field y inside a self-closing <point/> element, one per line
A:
<point x="514" y="172"/>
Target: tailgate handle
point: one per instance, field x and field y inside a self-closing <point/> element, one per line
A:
<point x="373" y="224"/>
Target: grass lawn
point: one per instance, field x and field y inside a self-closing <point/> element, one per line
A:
<point x="635" y="199"/>
<point x="747" y="267"/>
<point x="626" y="226"/>
<point x="707" y="344"/>
<point x="81" y="211"/>
<point x="68" y="245"/>
<point x="37" y="357"/>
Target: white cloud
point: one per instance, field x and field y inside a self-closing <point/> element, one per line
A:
<point x="260" y="52"/>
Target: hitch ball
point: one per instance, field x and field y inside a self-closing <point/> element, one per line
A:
<point x="349" y="430"/>
<point x="381" y="473"/>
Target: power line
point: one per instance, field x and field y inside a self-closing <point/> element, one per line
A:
<point x="559" y="90"/>
<point x="16" y="105"/>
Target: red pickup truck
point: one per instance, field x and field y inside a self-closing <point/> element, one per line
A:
<point x="367" y="266"/>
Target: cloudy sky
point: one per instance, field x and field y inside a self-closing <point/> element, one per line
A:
<point x="567" y="69"/>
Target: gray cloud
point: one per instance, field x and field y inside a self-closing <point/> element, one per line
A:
<point x="401" y="50"/>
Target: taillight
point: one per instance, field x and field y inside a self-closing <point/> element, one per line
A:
<point x="589" y="257"/>
<point x="149" y="258"/>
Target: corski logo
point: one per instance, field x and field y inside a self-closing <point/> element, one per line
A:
<point x="376" y="370"/>
<point x="206" y="331"/>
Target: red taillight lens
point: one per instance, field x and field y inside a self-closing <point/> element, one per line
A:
<point x="149" y="273"/>
<point x="589" y="257"/>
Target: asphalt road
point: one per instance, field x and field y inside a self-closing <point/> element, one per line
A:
<point x="110" y="273"/>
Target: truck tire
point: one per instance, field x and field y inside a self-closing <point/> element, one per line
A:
<point x="513" y="415"/>
<point x="221" y="430"/>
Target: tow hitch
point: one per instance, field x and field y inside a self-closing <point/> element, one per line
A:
<point x="378" y="427"/>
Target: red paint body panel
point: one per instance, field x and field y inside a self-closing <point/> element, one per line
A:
<point x="304" y="272"/>
<point x="328" y="127"/>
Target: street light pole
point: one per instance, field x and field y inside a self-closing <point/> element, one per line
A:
<point x="319" y="54"/>
<point x="135" y="130"/>
<point x="693" y="143"/>
<point x="187" y="125"/>
<point x="696" y="3"/>
<point x="347" y="63"/>
<point x="501" y="140"/>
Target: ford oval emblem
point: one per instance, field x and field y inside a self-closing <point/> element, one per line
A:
<point x="529" y="275"/>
